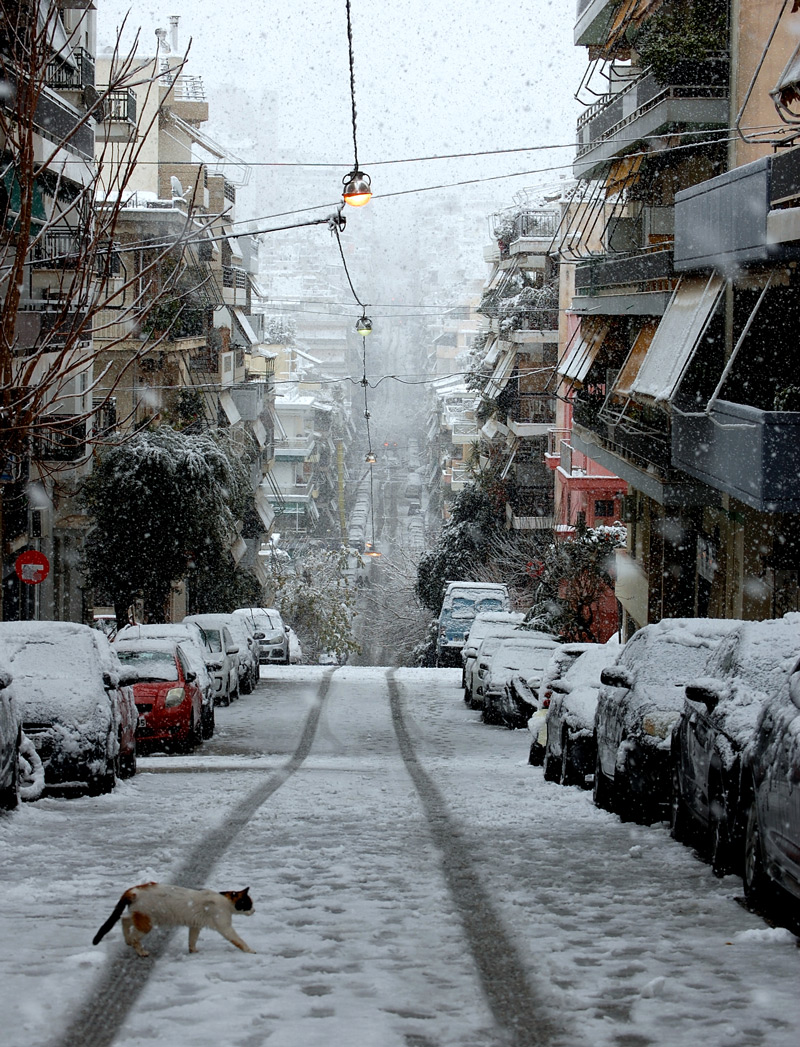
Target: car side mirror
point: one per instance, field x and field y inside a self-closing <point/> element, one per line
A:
<point x="5" y="679"/>
<point x="616" y="676"/>
<point x="125" y="680"/>
<point x="232" y="650"/>
<point x="110" y="682"/>
<point x="703" y="694"/>
<point x="560" y="687"/>
<point x="191" y="677"/>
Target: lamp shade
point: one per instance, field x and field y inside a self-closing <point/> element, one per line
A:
<point x="357" y="189"/>
<point x="364" y="326"/>
<point x="370" y="458"/>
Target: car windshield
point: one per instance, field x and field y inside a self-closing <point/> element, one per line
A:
<point x="149" y="665"/>
<point x="213" y="638"/>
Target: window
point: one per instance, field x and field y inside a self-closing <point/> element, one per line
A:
<point x="604" y="507"/>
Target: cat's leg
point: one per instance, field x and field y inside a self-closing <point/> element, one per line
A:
<point x="139" y="924"/>
<point x="234" y="939"/>
<point x="194" y="934"/>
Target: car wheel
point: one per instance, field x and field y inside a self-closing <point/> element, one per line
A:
<point x="719" y="844"/>
<point x="537" y="754"/>
<point x="209" y="723"/>
<point x="602" y="788"/>
<point x="127" y="764"/>
<point x="758" y="888"/>
<point x="568" y="775"/>
<point x="234" y="697"/>
<point x="552" y="767"/>
<point x="9" y="796"/>
<point x="680" y="821"/>
<point x="246" y="683"/>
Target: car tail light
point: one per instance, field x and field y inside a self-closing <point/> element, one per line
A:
<point x="546" y="703"/>
<point x="175" y="696"/>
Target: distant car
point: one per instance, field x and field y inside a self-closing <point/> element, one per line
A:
<point x="271" y="633"/>
<point x="243" y="633"/>
<point x="222" y="659"/>
<point x="168" y="699"/>
<point x="771" y="802"/>
<point x="526" y="653"/>
<point x="462" y="603"/>
<point x="75" y="709"/>
<point x="480" y="669"/>
<point x="489" y="623"/>
<point x="193" y="640"/>
<point x="638" y="702"/>
<point x="569" y="753"/>
<point x="560" y="661"/>
<point x="10" y="740"/>
<point x="717" y="724"/>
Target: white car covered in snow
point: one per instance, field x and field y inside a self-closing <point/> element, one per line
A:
<point x="526" y="653"/>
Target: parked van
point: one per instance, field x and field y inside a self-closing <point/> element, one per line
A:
<point x="462" y="602"/>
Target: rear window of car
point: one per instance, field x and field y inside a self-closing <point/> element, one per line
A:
<point x="150" y="665"/>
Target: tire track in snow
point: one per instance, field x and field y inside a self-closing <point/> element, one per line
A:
<point x="96" y="1024"/>
<point x="516" y="1008"/>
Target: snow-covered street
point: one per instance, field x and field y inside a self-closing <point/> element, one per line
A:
<point x="416" y="884"/>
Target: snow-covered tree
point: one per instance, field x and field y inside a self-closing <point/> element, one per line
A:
<point x="164" y="507"/>
<point x="319" y="599"/>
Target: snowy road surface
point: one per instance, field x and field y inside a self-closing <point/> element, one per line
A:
<point x="416" y="884"/>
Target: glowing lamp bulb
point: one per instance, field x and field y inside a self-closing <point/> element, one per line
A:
<point x="357" y="189"/>
<point x="364" y="326"/>
<point x="370" y="458"/>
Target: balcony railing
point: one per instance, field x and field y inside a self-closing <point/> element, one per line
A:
<point x="58" y="249"/>
<point x="233" y="276"/>
<point x="613" y="111"/>
<point x="534" y="410"/>
<point x="64" y="77"/>
<point x="554" y="438"/>
<point x="637" y="269"/>
<point x="120" y="106"/>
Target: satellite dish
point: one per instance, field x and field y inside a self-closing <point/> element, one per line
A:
<point x="177" y="188"/>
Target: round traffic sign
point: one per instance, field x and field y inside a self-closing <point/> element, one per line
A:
<point x="32" y="567"/>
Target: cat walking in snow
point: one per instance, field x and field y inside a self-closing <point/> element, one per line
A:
<point x="162" y="904"/>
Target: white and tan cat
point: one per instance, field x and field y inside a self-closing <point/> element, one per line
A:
<point x="163" y="904"/>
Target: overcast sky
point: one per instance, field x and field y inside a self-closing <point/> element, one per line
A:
<point x="432" y="77"/>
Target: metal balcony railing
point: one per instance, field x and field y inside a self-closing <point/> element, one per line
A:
<point x="64" y="77"/>
<point x="554" y="438"/>
<point x="613" y="111"/>
<point x="234" y="276"/>
<point x="120" y="106"/>
<point x="638" y="269"/>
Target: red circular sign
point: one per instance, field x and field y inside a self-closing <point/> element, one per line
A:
<point x="32" y="567"/>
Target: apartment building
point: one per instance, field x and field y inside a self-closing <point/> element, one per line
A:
<point x="682" y="376"/>
<point x="50" y="258"/>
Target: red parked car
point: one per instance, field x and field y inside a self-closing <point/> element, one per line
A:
<point x="167" y="695"/>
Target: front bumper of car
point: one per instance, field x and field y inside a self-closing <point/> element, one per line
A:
<point x="272" y="653"/>
<point x="71" y="757"/>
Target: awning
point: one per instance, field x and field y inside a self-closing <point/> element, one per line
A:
<point x="575" y="365"/>
<point x="257" y="288"/>
<point x="624" y="173"/>
<point x="245" y="325"/>
<point x="681" y="328"/>
<point x="630" y="15"/>
<point x="491" y="357"/>
<point x="238" y="548"/>
<point x="510" y="462"/>
<point x="14" y="197"/>
<point x="500" y="375"/>
<point x="635" y="357"/>
<point x="230" y="408"/>
<point x="264" y="507"/>
<point x="260" y="432"/>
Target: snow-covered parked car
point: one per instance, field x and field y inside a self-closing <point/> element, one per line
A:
<point x="462" y="603"/>
<point x="771" y="805"/>
<point x="715" y="727"/>
<point x="271" y="633"/>
<point x="165" y="689"/>
<point x="639" y="700"/>
<point x="193" y="641"/>
<point x="74" y="705"/>
<point x="489" y="623"/>
<point x="221" y="657"/>
<point x="10" y="740"/>
<point x="560" y="661"/>
<point x="243" y="633"/>
<point x="569" y="750"/>
<point x="526" y="654"/>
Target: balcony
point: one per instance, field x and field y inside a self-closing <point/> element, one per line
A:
<point x="119" y="106"/>
<point x="638" y="283"/>
<point x="749" y="215"/>
<point x="697" y="99"/>
<point x="49" y="324"/>
<point x="749" y="454"/>
<point x="234" y="285"/>
<point x="57" y="121"/>
<point x="555" y="437"/>
<point x="66" y="77"/>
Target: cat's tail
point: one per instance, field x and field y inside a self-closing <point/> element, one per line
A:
<point x="119" y="908"/>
